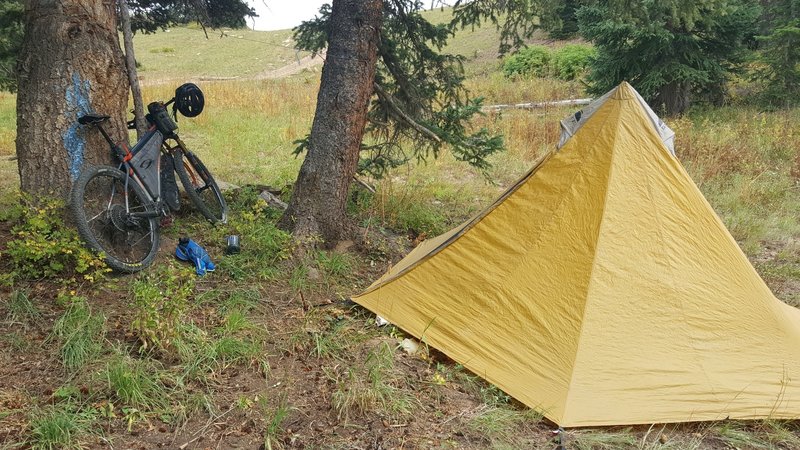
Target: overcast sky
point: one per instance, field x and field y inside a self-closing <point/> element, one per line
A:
<point x="282" y="14"/>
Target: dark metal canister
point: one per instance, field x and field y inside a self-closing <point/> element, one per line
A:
<point x="232" y="245"/>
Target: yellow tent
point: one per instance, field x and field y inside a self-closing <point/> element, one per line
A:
<point x="602" y="289"/>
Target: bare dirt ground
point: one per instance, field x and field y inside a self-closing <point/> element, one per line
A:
<point x="311" y="62"/>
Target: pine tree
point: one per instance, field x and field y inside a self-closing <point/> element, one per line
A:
<point x="672" y="51"/>
<point x="780" y="52"/>
<point x="11" y="29"/>
<point x="419" y="93"/>
<point x="150" y="15"/>
<point x="415" y="96"/>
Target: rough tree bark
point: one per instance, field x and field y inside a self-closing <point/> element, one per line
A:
<point x="71" y="64"/>
<point x="317" y="206"/>
<point x="675" y="98"/>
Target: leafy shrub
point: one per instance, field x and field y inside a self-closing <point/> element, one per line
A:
<point x="531" y="61"/>
<point x="42" y="246"/>
<point x="571" y="61"/>
<point x="161" y="299"/>
<point x="567" y="63"/>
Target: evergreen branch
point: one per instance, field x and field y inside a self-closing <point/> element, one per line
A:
<point x="411" y="122"/>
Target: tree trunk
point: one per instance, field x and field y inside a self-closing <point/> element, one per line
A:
<point x="71" y="64"/>
<point x="317" y="206"/>
<point x="133" y="76"/>
<point x="674" y="98"/>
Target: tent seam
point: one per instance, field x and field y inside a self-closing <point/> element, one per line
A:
<point x="594" y="265"/>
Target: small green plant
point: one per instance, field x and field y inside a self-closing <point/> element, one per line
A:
<point x="602" y="440"/>
<point x="161" y="299"/>
<point x="235" y="321"/>
<point x="80" y="333"/>
<point x="67" y="392"/>
<point x="244" y="300"/>
<point x="741" y="435"/>
<point x="232" y="350"/>
<point x="412" y="212"/>
<point x="325" y="336"/>
<point x="274" y="416"/>
<point x="298" y="280"/>
<point x="335" y="264"/>
<point x="162" y="50"/>
<point x="566" y="63"/>
<point x="782" y="434"/>
<point x="204" y="354"/>
<point x="329" y="343"/>
<point x="42" y="246"/>
<point x="266" y="244"/>
<point x="16" y="341"/>
<point x="503" y="425"/>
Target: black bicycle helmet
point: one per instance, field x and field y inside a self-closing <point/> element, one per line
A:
<point x="189" y="100"/>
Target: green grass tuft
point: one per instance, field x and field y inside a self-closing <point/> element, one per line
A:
<point x="20" y="309"/>
<point x="502" y="426"/>
<point x="371" y="386"/>
<point x="602" y="440"/>
<point x="81" y="335"/>
<point x="274" y="416"/>
<point x="58" y="427"/>
<point x="135" y="383"/>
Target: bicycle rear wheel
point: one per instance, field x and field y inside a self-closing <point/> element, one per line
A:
<point x="200" y="186"/>
<point x="97" y="204"/>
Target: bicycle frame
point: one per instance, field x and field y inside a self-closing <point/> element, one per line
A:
<point x="142" y="163"/>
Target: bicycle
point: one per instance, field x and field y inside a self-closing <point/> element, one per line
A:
<point x="117" y="211"/>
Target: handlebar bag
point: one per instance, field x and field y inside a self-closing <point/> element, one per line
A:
<point x="161" y="119"/>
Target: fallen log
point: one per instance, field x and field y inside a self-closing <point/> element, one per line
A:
<point x="538" y="105"/>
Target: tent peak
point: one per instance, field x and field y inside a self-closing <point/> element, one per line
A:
<point x="625" y="92"/>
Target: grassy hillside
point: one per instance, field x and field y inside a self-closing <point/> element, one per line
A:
<point x="182" y="53"/>
<point x="266" y="352"/>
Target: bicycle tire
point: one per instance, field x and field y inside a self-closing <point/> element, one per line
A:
<point x="200" y="186"/>
<point x="98" y="208"/>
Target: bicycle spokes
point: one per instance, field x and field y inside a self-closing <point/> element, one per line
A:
<point x="117" y="219"/>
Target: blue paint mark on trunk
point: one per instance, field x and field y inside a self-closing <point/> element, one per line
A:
<point x="74" y="139"/>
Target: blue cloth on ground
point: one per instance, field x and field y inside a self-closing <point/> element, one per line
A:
<point x="188" y="250"/>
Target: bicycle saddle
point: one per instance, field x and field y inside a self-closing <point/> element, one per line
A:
<point x="92" y="119"/>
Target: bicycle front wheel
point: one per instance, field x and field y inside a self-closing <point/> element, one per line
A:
<point x="200" y="186"/>
<point x="105" y="215"/>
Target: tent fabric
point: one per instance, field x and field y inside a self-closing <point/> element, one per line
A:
<point x="572" y="123"/>
<point x="602" y="289"/>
